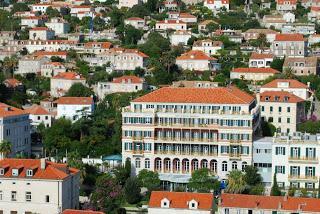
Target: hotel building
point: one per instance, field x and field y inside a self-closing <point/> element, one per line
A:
<point x="175" y="131"/>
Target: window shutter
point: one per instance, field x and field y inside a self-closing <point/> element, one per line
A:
<point x="307" y="153"/>
<point x="299" y="152"/>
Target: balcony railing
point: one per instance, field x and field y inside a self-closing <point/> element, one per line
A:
<point x="303" y="177"/>
<point x="186" y="153"/>
<point x="303" y="159"/>
<point x="186" y="139"/>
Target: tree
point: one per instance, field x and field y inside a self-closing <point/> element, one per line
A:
<point x="5" y="148"/>
<point x="79" y="90"/>
<point x="277" y="64"/>
<point x="268" y="129"/>
<point x="74" y="160"/>
<point x="251" y="176"/>
<point x="131" y="35"/>
<point x="202" y="181"/>
<point x="275" y="190"/>
<point x="257" y="190"/>
<point x="9" y="63"/>
<point x="51" y="12"/>
<point x="236" y="182"/>
<point x="19" y="7"/>
<point x="132" y="190"/>
<point x="122" y="173"/>
<point x="149" y="180"/>
<point x="107" y="196"/>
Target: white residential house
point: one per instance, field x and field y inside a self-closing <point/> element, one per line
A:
<point x="283" y="109"/>
<point x="314" y="14"/>
<point x="41" y="33"/>
<point x="40" y="8"/>
<point x="37" y="186"/>
<point x="51" y="69"/>
<point x="156" y="132"/>
<point x="295" y="160"/>
<point x="129" y="3"/>
<point x="253" y="73"/>
<point x="49" y="54"/>
<point x="208" y="46"/>
<point x="62" y="82"/>
<point x="31" y="64"/>
<point x="122" y="84"/>
<point x="97" y="47"/>
<point x="216" y="5"/>
<point x="286" y="5"/>
<point x="252" y="34"/>
<point x="258" y="60"/>
<point x="39" y="115"/>
<point x="285" y="45"/>
<point x="171" y="24"/>
<point x="15" y="128"/>
<point x="31" y="21"/>
<point x="162" y="202"/>
<point x="275" y="21"/>
<point x="198" y="61"/>
<point x="59" y="26"/>
<point x="180" y="37"/>
<point x="136" y="22"/>
<point x="289" y="17"/>
<point x="290" y="85"/>
<point x="74" y="108"/>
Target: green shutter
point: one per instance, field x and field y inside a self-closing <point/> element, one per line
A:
<point x="299" y="170"/>
<point x="299" y="152"/>
<point x="307" y="152"/>
<point x="291" y="152"/>
<point x="313" y="171"/>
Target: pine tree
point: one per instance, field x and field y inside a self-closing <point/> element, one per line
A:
<point x="275" y="190"/>
<point x="132" y="190"/>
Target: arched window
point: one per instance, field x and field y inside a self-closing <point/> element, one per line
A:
<point x="214" y="166"/>
<point x="234" y="165"/>
<point x="224" y="166"/>
<point x="244" y="165"/>
<point x="204" y="164"/>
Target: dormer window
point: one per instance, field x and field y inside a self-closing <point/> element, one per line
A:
<point x="267" y="98"/>
<point x="29" y="172"/>
<point x="286" y="98"/>
<point x="165" y="203"/>
<point x="1" y="171"/>
<point x="193" y="204"/>
<point x="276" y="98"/>
<point x="15" y="172"/>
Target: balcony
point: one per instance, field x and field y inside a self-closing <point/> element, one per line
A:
<point x="303" y="159"/>
<point x="175" y="139"/>
<point x="309" y="178"/>
<point x="186" y="153"/>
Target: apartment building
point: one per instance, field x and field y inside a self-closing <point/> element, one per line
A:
<point x="290" y="85"/>
<point x="74" y="108"/>
<point x="260" y="60"/>
<point x="97" y="47"/>
<point x="295" y="159"/>
<point x="208" y="46"/>
<point x="62" y="82"/>
<point x="31" y="21"/>
<point x="162" y="202"/>
<point x="120" y="59"/>
<point x="39" y="115"/>
<point x="31" y="64"/>
<point x="126" y="84"/>
<point x="253" y="74"/>
<point x="175" y="131"/>
<point x="289" y="45"/>
<point x="129" y="3"/>
<point x="15" y="128"/>
<point x="276" y="21"/>
<point x="197" y="61"/>
<point x="37" y="186"/>
<point x="302" y="66"/>
<point x="41" y="33"/>
<point x="283" y="109"/>
<point x="257" y="204"/>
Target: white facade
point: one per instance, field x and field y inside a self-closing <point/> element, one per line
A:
<point x="41" y="33"/>
<point x="208" y="46"/>
<point x="51" y="69"/>
<point x="31" y="65"/>
<point x="33" y="194"/>
<point x="40" y="8"/>
<point x="15" y="128"/>
<point x="176" y="138"/>
<point x="128" y="3"/>
<point x="171" y="24"/>
<point x="295" y="159"/>
<point x="263" y="62"/>
<point x="60" y="84"/>
<point x="135" y="22"/>
<point x="216" y="5"/>
<point x="180" y="37"/>
<point x="31" y="21"/>
<point x="59" y="26"/>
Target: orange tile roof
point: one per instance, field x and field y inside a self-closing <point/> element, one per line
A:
<point x="285" y="1"/>
<point x="136" y="51"/>
<point x="280" y="97"/>
<point x="68" y="76"/>
<point x="39" y="28"/>
<point x="68" y="211"/>
<point x="292" y="83"/>
<point x="195" y="55"/>
<point x="171" y="22"/>
<point x="180" y="199"/>
<point x="52" y="171"/>
<point x="106" y="45"/>
<point x="255" y="70"/>
<point x="51" y="53"/>
<point x="255" y="55"/>
<point x="292" y="204"/>
<point x="222" y="1"/>
<point x="9" y="111"/>
<point x="37" y="110"/>
<point x="133" y="79"/>
<point x="219" y="95"/>
<point x="12" y="82"/>
<point x="54" y="63"/>
<point x="289" y="37"/>
<point x="74" y="101"/>
<point x="317" y="9"/>
<point x="135" y="19"/>
<point x="186" y="15"/>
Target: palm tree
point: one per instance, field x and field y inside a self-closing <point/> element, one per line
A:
<point x="5" y="148"/>
<point x="236" y="182"/>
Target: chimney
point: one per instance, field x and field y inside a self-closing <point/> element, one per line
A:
<point x="280" y="206"/>
<point x="308" y="84"/>
<point x="43" y="163"/>
<point x="285" y="197"/>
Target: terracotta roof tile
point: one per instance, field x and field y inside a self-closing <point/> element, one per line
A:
<point x="12" y="82"/>
<point x="291" y="204"/>
<point x="37" y="110"/>
<point x="180" y="199"/>
<point x="255" y="55"/>
<point x="280" y="97"/>
<point x="195" y="55"/>
<point x="106" y="45"/>
<point x="219" y="95"/>
<point x="39" y="28"/>
<point x="50" y="53"/>
<point x="289" y="37"/>
<point x="125" y="79"/>
<point x="292" y="83"/>
<point x="51" y="171"/>
<point x="255" y="70"/>
<point x="68" y="211"/>
<point x="9" y="111"/>
<point x="135" y="19"/>
<point x="69" y="76"/>
<point x="171" y="22"/>
<point x="74" y="101"/>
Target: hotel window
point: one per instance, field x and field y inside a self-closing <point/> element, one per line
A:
<point x="147" y="163"/>
<point x="224" y="166"/>
<point x="13" y="195"/>
<point x="28" y="196"/>
<point x="280" y="151"/>
<point x="138" y="163"/>
<point x="271" y="109"/>
<point x="262" y="108"/>
<point x="280" y="169"/>
<point x="234" y="165"/>
<point x="244" y="165"/>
